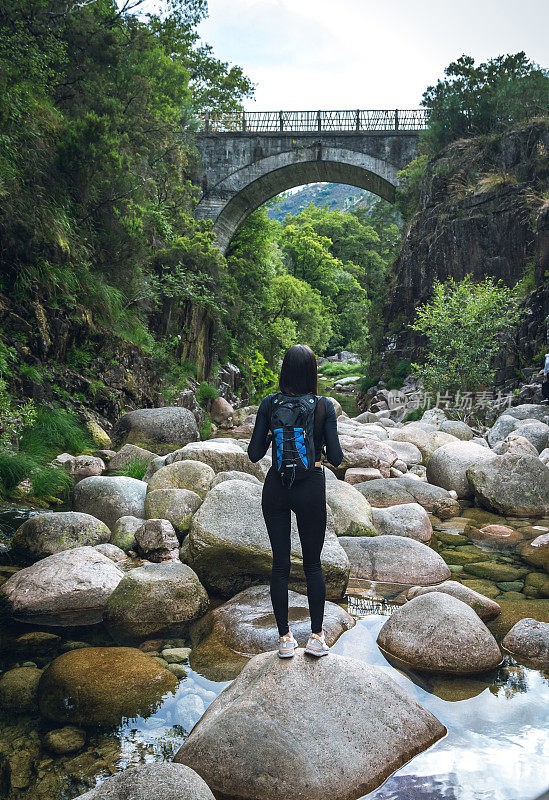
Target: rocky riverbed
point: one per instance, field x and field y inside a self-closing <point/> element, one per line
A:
<point x="126" y="618"/>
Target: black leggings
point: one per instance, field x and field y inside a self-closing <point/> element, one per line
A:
<point x="307" y="499"/>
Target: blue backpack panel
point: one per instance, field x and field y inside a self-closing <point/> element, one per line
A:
<point x="293" y="424"/>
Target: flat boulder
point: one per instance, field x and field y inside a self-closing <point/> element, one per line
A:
<point x="160" y="430"/>
<point x="406" y="519"/>
<point x="360" y="474"/>
<point x="67" y="588"/>
<point x="351" y="511"/>
<point x="366" y="451"/>
<point x="394" y="559"/>
<point x="221" y="455"/>
<point x="447" y="467"/>
<point x="196" y="476"/>
<point x="101" y="686"/>
<point x="485" y="608"/>
<point x="229" y="549"/>
<point x="528" y="640"/>
<point x="164" y="780"/>
<point x="496" y="537"/>
<point x="109" y="498"/>
<point x="257" y="736"/>
<point x="43" y="535"/>
<point x="436" y="632"/>
<point x="511" y="485"/>
<point x="407" y="452"/>
<point x="387" y="492"/>
<point x="155" y="600"/>
<point x="427" y="441"/>
<point x="175" y="505"/>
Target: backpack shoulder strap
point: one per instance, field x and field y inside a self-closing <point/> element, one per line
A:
<point x="320" y="416"/>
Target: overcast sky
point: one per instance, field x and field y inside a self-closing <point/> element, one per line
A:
<point x="343" y="54"/>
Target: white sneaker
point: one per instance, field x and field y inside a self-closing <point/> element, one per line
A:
<point x="316" y="646"/>
<point x="287" y="646"/>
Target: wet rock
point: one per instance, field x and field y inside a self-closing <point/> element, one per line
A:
<point x="221" y="455"/>
<point x="177" y="506"/>
<point x="366" y="451"/>
<point x="529" y="640"/>
<point x="21" y="770"/>
<point x="394" y="559"/>
<point x="515" y="444"/>
<point x="360" y="474"/>
<point x="536" y="584"/>
<point x="436" y="632"/>
<point x="37" y="644"/>
<point x="188" y="474"/>
<point x="234" y="475"/>
<point x="496" y="572"/>
<point x="536" y="551"/>
<point x="68" y="588"/>
<point x="486" y="588"/>
<point x="157" y="541"/>
<point x="498" y="537"/>
<point x="257" y="735"/>
<point x="351" y="511"/>
<point x="394" y="491"/>
<point x="123" y="532"/>
<point x="130" y="454"/>
<point x="65" y="740"/>
<point x="101" y="686"/>
<point x="84" y="466"/>
<point x="176" y="655"/>
<point x="447" y="467"/>
<point x="19" y="689"/>
<point x="245" y="626"/>
<point x="43" y="535"/>
<point x="161" y="430"/>
<point x="407" y="519"/>
<point x="458" y="429"/>
<point x="516" y="486"/>
<point x="109" y="498"/>
<point x="485" y="608"/>
<point x="155" y="600"/>
<point x="164" y="781"/>
<point x="229" y="549"/>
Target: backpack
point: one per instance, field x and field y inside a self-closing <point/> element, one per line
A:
<point x="293" y="423"/>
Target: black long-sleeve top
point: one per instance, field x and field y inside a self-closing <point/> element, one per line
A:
<point x="324" y="436"/>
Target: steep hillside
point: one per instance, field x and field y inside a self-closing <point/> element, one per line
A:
<point x="337" y="196"/>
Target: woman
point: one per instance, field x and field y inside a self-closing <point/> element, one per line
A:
<point x="306" y="497"/>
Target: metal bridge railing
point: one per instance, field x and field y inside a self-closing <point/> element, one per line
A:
<point x="414" y="119"/>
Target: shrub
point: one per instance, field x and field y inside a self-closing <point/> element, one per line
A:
<point x="206" y="393"/>
<point x="54" y="431"/>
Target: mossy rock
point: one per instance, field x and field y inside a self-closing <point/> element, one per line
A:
<point x="496" y="572"/>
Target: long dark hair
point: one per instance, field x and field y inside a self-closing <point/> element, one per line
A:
<point x="298" y="374"/>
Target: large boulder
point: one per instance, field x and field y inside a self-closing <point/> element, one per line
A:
<point x="222" y="412"/>
<point x="228" y="635"/>
<point x="436" y="632"/>
<point x="67" y="588"/>
<point x="351" y="511"/>
<point x="229" y="549"/>
<point x="366" y="451"/>
<point x="529" y="411"/>
<point x="528" y="640"/>
<point x="501" y="428"/>
<point x="163" y="780"/>
<point x="516" y="445"/>
<point x="535" y="431"/>
<point x="394" y="559"/>
<point x="109" y="498"/>
<point x="458" y="429"/>
<point x="257" y="736"/>
<point x="43" y="535"/>
<point x="407" y="452"/>
<point x="155" y="600"/>
<point x="175" y="505"/>
<point x="536" y="551"/>
<point x="386" y="492"/>
<point x="406" y="519"/>
<point x="101" y="686"/>
<point x="516" y="486"/>
<point x="234" y="475"/>
<point x="427" y="441"/>
<point x="196" y="476"/>
<point x="221" y="455"/>
<point x="160" y="430"/>
<point x="19" y="689"/>
<point x="485" y="608"/>
<point x="447" y="467"/>
<point x="157" y="541"/>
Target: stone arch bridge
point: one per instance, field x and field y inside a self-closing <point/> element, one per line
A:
<point x="249" y="157"/>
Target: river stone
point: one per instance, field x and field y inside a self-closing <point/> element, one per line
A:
<point x="406" y="519"/>
<point x="220" y="454"/>
<point x="536" y="551"/>
<point x="501" y="428"/>
<point x="436" y="632"/>
<point x="189" y="474"/>
<point x="529" y="640"/>
<point x="147" y="781"/>
<point x="85" y="465"/>
<point x="222" y="412"/>
<point x="497" y="537"/>
<point x="395" y="491"/>
<point x="425" y="440"/>
<point x="515" y="445"/>
<point x="407" y="452"/>
<point x="516" y="486"/>
<point x="45" y="534"/>
<point x="257" y="736"/>
<point x="123" y="532"/>
<point x="360" y="474"/>
<point x="447" y="467"/>
<point x="544" y="456"/>
<point x="175" y="505"/>
<point x="100" y="438"/>
<point x="245" y="626"/>
<point x="19" y="689"/>
<point x="434" y="416"/>
<point x="157" y="541"/>
<point x="366" y="451"/>
<point x="155" y="600"/>
<point x="485" y="608"/>
<point x="67" y="588"/>
<point x="129" y="454"/>
<point x="529" y="411"/>
<point x="109" y="498"/>
<point x="229" y="549"/>
<point x="535" y="431"/>
<point x="65" y="740"/>
<point x="352" y="512"/>
<point x="394" y="559"/>
<point x="160" y="430"/>
<point x="101" y="686"/>
<point x="234" y="475"/>
<point x="458" y="429"/>
<point x="492" y="571"/>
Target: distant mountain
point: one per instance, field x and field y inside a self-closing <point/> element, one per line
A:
<point x="337" y="196"/>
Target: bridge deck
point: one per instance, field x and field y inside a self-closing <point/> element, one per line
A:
<point x="380" y="120"/>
